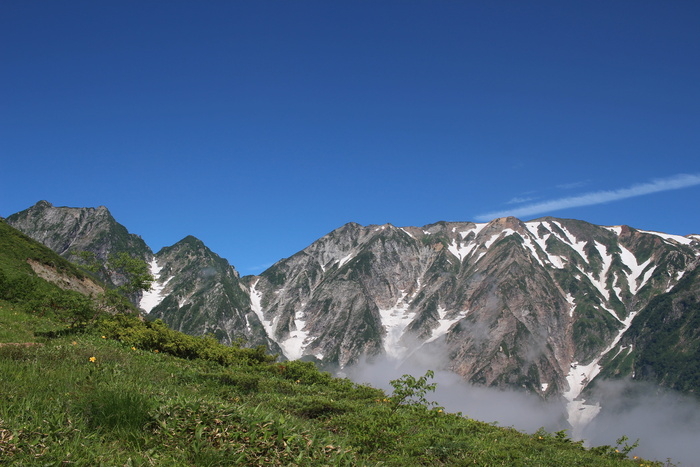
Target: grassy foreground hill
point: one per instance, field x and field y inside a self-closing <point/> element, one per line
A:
<point x="122" y="391"/>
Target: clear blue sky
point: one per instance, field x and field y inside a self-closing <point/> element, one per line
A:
<point x="260" y="126"/>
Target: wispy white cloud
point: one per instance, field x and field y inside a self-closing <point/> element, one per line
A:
<point x="598" y="197"/>
<point x="521" y="199"/>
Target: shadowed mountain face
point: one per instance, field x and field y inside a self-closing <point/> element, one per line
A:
<point x="541" y="305"/>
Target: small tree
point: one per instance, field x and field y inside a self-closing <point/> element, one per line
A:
<point x="410" y="392"/>
<point x="134" y="271"/>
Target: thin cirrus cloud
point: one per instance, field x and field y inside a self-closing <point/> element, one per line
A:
<point x="597" y="197"/>
<point x="521" y="200"/>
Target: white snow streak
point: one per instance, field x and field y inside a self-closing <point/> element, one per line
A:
<point x="256" y="306"/>
<point x="555" y="260"/>
<point x="151" y="298"/>
<point x="476" y="229"/>
<point x="461" y="251"/>
<point x="572" y="303"/>
<point x="571" y="240"/>
<point x="579" y="413"/>
<point x="444" y="325"/>
<point x="293" y="346"/>
<point x="616" y="229"/>
<point x="599" y="282"/>
<point x="345" y="259"/>
<point x="675" y="238"/>
<point x="395" y="321"/>
<point x="636" y="269"/>
<point x="528" y="243"/>
<point x="503" y="234"/>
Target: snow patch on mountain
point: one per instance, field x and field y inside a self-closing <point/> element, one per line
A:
<point x="572" y="303"/>
<point x="572" y="241"/>
<point x="294" y="345"/>
<point x="345" y="259"/>
<point x="555" y="260"/>
<point x="256" y="306"/>
<point x="461" y="251"/>
<point x="600" y="281"/>
<point x="151" y="298"/>
<point x="669" y="237"/>
<point x="580" y="413"/>
<point x="395" y="320"/>
<point x="527" y="240"/>
<point x="636" y="269"/>
<point x="444" y="325"/>
<point x="616" y="229"/>
<point x="498" y="236"/>
<point x="476" y="229"/>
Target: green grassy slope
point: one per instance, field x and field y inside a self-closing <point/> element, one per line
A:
<point x="91" y="400"/>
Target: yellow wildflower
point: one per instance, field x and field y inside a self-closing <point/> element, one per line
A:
<point x="103" y="337"/>
<point x="92" y="359"/>
<point x="74" y="343"/>
<point x="133" y="348"/>
<point x="156" y="351"/>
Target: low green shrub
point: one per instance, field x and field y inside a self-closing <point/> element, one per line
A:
<point x="157" y="337"/>
<point x="303" y="372"/>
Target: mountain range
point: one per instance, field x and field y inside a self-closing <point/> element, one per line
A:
<point x="548" y="306"/>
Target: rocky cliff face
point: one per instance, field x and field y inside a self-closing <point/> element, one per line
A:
<point x="545" y="305"/>
<point x="198" y="292"/>
<point x="69" y="231"/>
<point x="506" y="303"/>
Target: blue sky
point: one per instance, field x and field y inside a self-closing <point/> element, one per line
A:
<point x="261" y="126"/>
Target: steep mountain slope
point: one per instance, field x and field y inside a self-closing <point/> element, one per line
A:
<point x="507" y="303"/>
<point x="199" y="293"/>
<point x="195" y="291"/>
<point x="663" y="343"/>
<point x="69" y="231"/>
<point x="22" y="256"/>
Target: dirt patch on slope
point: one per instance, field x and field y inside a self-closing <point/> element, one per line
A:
<point x="84" y="286"/>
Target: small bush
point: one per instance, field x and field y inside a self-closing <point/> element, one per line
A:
<point x="303" y="372"/>
<point x="156" y="336"/>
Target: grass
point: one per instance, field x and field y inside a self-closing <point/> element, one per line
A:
<point x="85" y="399"/>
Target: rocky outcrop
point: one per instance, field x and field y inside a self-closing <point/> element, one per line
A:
<point x="69" y="231"/>
<point x="200" y="293"/>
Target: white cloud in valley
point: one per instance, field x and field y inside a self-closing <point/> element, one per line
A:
<point x="597" y="197"/>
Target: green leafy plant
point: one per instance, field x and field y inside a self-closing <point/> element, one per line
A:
<point x="411" y="392"/>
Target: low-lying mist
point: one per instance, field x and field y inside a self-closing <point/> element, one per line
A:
<point x="666" y="423"/>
